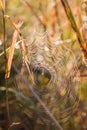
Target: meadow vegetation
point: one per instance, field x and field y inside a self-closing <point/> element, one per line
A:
<point x="43" y="64"/>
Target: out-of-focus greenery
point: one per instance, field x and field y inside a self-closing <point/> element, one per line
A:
<point x="27" y="111"/>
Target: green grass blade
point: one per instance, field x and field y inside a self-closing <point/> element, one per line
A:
<point x="73" y="22"/>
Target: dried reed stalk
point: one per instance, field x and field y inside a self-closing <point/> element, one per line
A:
<point x="11" y="52"/>
<point x="2" y="5"/>
<point x="22" y="46"/>
<point x="19" y="34"/>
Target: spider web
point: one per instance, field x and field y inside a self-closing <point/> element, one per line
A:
<point x="55" y="75"/>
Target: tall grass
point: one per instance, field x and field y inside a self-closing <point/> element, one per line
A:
<point x="46" y="86"/>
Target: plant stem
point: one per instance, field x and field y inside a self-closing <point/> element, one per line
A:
<point x="74" y="26"/>
<point x="5" y="57"/>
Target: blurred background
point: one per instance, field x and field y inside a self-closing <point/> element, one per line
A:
<point x="45" y="21"/>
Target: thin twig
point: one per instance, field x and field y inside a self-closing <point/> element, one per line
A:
<point x="7" y="49"/>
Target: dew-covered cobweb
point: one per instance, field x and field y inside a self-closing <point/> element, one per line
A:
<point x="53" y="74"/>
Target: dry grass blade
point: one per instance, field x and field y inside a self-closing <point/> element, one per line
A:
<point x="7" y="49"/>
<point x="3" y="2"/>
<point x="11" y="52"/>
<point x="14" y="24"/>
<point x="22" y="45"/>
<point x="20" y="35"/>
<point x="2" y="5"/>
<point x="2" y="53"/>
<point x="75" y="28"/>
